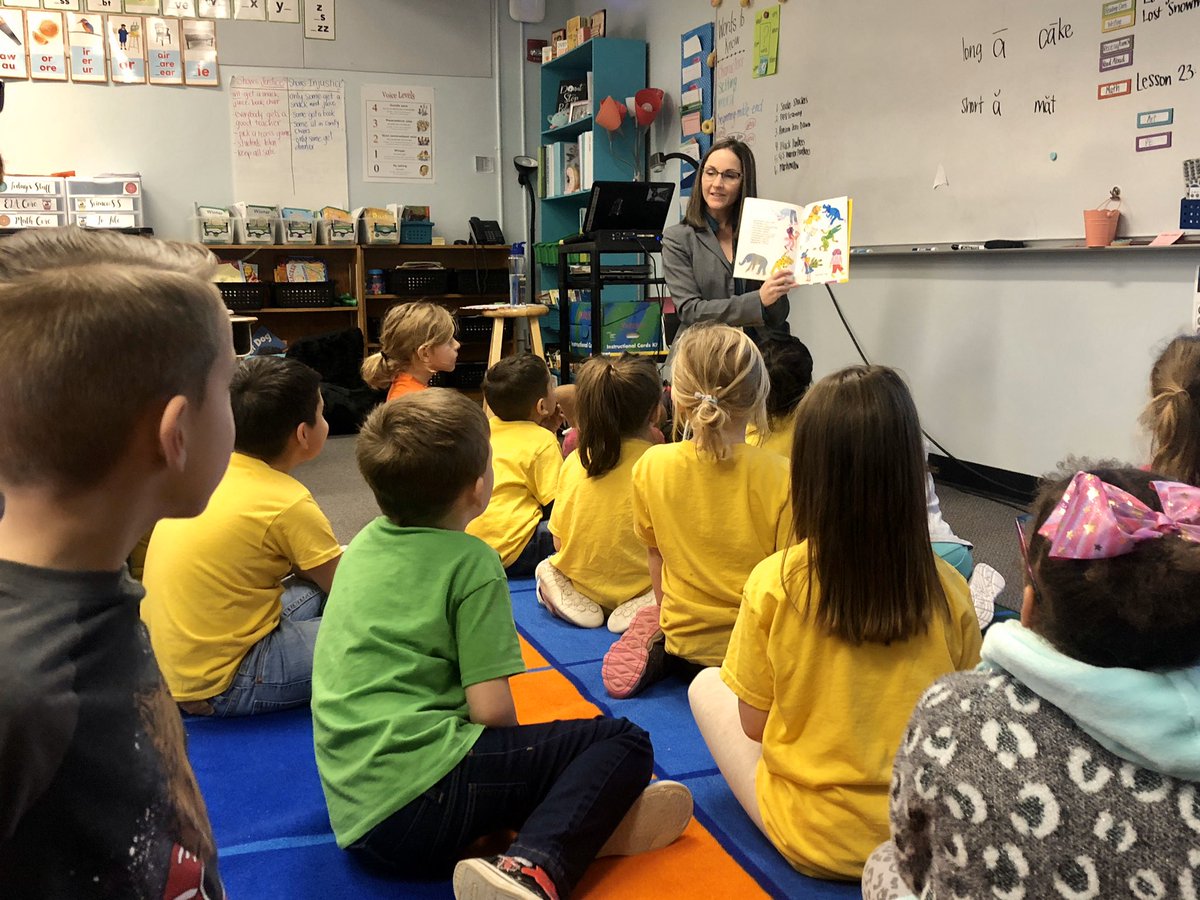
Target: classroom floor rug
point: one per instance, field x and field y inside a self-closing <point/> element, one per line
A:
<point x="260" y="782"/>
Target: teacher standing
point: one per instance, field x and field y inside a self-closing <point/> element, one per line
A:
<point x="698" y="252"/>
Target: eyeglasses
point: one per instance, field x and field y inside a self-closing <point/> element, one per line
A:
<point x="731" y="176"/>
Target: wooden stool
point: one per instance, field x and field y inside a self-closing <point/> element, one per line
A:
<point x="530" y="311"/>
<point x="243" y="329"/>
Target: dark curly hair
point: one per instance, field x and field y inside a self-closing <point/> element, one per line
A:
<point x="1137" y="611"/>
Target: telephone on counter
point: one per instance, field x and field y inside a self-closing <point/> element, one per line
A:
<point x="486" y="231"/>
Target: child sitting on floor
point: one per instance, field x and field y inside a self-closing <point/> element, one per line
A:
<point x="1172" y="416"/>
<point x="1068" y="765"/>
<point x="599" y="572"/>
<point x="789" y="367"/>
<point x="232" y="630"/>
<point x="829" y="652"/>
<point x="520" y="392"/>
<point x="417" y="740"/>
<point x="416" y="341"/>
<point x="708" y="508"/>
<point x="115" y="360"/>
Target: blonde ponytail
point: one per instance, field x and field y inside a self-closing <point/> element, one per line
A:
<point x="1172" y="417"/>
<point x="377" y="371"/>
<point x="718" y="375"/>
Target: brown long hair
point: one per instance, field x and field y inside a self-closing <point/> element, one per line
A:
<point x="858" y="496"/>
<point x="615" y="401"/>
<point x="696" y="208"/>
<point x="1173" y="414"/>
<point x="718" y="373"/>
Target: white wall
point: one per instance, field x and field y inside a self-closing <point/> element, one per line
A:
<point x="1016" y="360"/>
<point x="178" y="138"/>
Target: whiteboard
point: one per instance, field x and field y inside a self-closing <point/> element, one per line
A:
<point x="1025" y="112"/>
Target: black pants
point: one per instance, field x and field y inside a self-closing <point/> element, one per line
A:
<point x="562" y="786"/>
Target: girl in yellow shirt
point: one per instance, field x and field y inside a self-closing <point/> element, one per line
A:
<point x="708" y="508"/>
<point x="838" y="636"/>
<point x="416" y="342"/>
<point x="599" y="571"/>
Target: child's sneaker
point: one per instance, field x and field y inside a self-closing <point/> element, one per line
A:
<point x="619" y="618"/>
<point x="656" y="819"/>
<point x="502" y="878"/>
<point x="556" y="592"/>
<point x="638" y="658"/>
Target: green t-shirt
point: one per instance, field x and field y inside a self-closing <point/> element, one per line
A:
<point x="416" y="615"/>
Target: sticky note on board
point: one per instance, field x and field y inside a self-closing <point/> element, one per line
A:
<point x="689" y="124"/>
<point x="692" y="97"/>
<point x="692" y="73"/>
<point x="692" y="46"/>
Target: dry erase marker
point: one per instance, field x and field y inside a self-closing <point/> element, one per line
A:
<point x="967" y="247"/>
<point x="923" y="249"/>
<point x="856" y="250"/>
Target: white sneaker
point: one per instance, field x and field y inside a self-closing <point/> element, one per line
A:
<point x="619" y="618"/>
<point x="556" y="592"/>
<point x="655" y="820"/>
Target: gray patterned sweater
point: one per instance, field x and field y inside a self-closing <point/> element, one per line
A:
<point x="998" y="793"/>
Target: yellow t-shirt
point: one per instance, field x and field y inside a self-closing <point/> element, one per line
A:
<point x="713" y="522"/>
<point x="779" y="440"/>
<point x="836" y="712"/>
<point x="525" y="460"/>
<point x="213" y="582"/>
<point x="594" y="519"/>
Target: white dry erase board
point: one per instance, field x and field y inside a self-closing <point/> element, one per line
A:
<point x="1024" y="113"/>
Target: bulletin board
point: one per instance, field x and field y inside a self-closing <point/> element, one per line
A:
<point x="968" y="120"/>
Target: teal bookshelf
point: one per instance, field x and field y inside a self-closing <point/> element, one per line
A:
<point x="618" y="69"/>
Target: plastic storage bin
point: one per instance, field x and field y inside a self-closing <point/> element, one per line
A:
<point x="243" y="297"/>
<point x="408" y="281"/>
<point x="105" y="202"/>
<point x="416" y="232"/>
<point x="32" y="201"/>
<point x="304" y="293"/>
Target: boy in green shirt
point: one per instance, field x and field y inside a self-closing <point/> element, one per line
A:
<point x="417" y="741"/>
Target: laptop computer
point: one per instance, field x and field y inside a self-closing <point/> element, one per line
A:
<point x="626" y="211"/>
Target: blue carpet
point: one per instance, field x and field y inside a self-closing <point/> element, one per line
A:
<point x="264" y="798"/>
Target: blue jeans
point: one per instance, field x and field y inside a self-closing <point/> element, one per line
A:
<point x="276" y="673"/>
<point x="539" y="547"/>
<point x="562" y="786"/>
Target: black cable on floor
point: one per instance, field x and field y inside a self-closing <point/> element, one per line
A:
<point x="950" y="456"/>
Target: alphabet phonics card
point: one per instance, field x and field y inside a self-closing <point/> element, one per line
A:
<point x="250" y="10"/>
<point x="164" y="55"/>
<point x="126" y="49"/>
<point x="200" y="53"/>
<point x="85" y="33"/>
<point x="13" y="64"/>
<point x="47" y="48"/>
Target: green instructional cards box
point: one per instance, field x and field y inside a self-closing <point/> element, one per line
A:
<point x="632" y="326"/>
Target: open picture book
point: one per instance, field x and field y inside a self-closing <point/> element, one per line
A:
<point x="811" y="239"/>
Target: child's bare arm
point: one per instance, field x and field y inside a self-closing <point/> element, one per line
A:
<point x="754" y="721"/>
<point x="322" y="575"/>
<point x="491" y="703"/>
<point x="655" y="560"/>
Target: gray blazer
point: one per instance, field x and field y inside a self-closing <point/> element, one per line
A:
<point x="700" y="280"/>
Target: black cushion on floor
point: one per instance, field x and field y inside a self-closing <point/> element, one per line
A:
<point x="338" y="357"/>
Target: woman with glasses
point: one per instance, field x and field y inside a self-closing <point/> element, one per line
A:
<point x="698" y="252"/>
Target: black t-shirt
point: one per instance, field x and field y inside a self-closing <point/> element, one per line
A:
<point x="97" y="797"/>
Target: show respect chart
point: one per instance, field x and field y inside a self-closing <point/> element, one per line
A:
<point x="397" y="133"/>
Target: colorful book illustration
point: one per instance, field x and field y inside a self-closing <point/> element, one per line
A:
<point x="811" y="239"/>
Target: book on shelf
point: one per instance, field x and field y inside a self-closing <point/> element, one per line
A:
<point x="571" y="90"/>
<point x="571" y="168"/>
<point x="587" y="155"/>
<point x="811" y="239"/>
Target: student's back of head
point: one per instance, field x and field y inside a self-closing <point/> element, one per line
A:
<point x="616" y="399"/>
<point x="717" y="376"/>
<point x="97" y="331"/>
<point x="1136" y="610"/>
<point x="271" y="398"/>
<point x="858" y="492"/>
<point x="789" y="368"/>
<point x="407" y="328"/>
<point x="1173" y="415"/>
<point x="420" y="452"/>
<point x="514" y="385"/>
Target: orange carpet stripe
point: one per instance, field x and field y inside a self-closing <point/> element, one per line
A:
<point x="694" y="866"/>
<point x="533" y="659"/>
